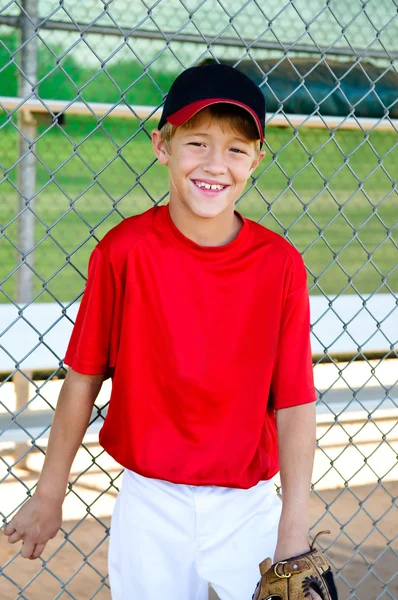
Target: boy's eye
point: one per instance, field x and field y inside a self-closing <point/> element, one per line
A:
<point x="238" y="150"/>
<point x="198" y="144"/>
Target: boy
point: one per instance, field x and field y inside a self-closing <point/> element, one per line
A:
<point x="201" y="317"/>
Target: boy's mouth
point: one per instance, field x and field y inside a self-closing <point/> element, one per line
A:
<point x="209" y="187"/>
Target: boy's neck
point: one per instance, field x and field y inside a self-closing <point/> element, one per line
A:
<point x="218" y="231"/>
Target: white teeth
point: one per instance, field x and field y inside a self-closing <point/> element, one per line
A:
<point x="208" y="186"/>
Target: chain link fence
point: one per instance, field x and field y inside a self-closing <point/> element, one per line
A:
<point x="80" y="86"/>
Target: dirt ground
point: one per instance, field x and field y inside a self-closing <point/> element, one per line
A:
<point x="74" y="563"/>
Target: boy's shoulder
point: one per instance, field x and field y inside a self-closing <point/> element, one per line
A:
<point x="120" y="239"/>
<point x="286" y="259"/>
<point x="280" y="245"/>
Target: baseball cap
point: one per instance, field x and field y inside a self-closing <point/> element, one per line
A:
<point x="198" y="87"/>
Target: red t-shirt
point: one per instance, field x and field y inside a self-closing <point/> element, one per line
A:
<point x="203" y="345"/>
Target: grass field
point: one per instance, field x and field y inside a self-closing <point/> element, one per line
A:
<point x="337" y="211"/>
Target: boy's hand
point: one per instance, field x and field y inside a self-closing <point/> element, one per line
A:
<point x="314" y="595"/>
<point x="293" y="547"/>
<point x="281" y="553"/>
<point x="287" y="547"/>
<point x="36" y="522"/>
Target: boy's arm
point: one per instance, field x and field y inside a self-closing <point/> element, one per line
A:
<point x="40" y="517"/>
<point x="296" y="427"/>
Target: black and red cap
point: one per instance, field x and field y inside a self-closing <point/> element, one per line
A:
<point x="201" y="86"/>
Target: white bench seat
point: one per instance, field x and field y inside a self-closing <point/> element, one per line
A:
<point x="37" y="338"/>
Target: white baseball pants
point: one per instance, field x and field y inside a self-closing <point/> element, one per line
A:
<point x="169" y="541"/>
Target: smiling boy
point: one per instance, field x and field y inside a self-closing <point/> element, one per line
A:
<point x="201" y="317"/>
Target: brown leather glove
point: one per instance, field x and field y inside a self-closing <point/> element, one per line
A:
<point x="293" y="579"/>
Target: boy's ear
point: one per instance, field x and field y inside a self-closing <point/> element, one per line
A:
<point x="159" y="147"/>
<point x="257" y="160"/>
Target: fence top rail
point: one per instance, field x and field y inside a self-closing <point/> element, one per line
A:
<point x="215" y="40"/>
<point x="100" y="109"/>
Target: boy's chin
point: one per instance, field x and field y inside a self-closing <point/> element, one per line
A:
<point x="211" y="210"/>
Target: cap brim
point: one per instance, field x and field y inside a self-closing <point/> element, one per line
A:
<point x="187" y="112"/>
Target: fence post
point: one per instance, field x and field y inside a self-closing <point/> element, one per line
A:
<point x="26" y="185"/>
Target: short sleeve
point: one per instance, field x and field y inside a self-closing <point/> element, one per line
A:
<point x="93" y="344"/>
<point x="292" y="379"/>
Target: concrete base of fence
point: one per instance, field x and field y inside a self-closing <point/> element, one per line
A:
<point x="352" y="446"/>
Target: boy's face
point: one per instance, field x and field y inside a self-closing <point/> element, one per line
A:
<point x="203" y="155"/>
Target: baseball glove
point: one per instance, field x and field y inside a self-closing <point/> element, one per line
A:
<point x="293" y="579"/>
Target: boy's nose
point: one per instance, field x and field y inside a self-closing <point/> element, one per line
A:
<point x="215" y="164"/>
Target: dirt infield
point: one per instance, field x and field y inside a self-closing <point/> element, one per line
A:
<point x="349" y="507"/>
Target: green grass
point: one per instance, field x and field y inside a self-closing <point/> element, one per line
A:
<point x="89" y="178"/>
